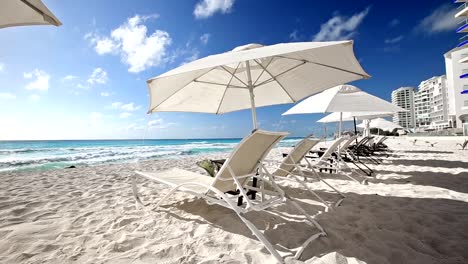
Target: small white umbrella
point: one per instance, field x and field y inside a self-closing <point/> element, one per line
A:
<point x="342" y="98"/>
<point x="253" y="75"/>
<point x="25" y="12"/>
<point x="380" y="123"/>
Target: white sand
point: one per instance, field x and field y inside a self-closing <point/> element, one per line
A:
<point x="416" y="211"/>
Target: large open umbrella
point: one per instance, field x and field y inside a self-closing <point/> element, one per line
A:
<point x="253" y="75"/>
<point x="343" y="98"/>
<point x="25" y="12"/>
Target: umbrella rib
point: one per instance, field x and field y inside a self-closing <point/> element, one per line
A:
<point x="221" y="84"/>
<point x="274" y="78"/>
<point x="225" y="90"/>
<point x="167" y="98"/>
<point x="260" y="75"/>
<point x="233" y="75"/>
<point x="325" y="65"/>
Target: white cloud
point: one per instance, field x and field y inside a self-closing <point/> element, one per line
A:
<point x="441" y="19"/>
<point x="69" y="78"/>
<point x="2" y="67"/>
<point x="34" y="97"/>
<point x="339" y="27"/>
<point x="125" y="115"/>
<point x="40" y="80"/>
<point x="207" y="8"/>
<point x="130" y="107"/>
<point x="7" y="96"/>
<point x="105" y="94"/>
<point x="131" y="42"/>
<point x="159" y="124"/>
<point x="394" y="40"/>
<point x="294" y="36"/>
<point x="205" y="38"/>
<point x="395" y="22"/>
<point x="98" y="76"/>
<point x="116" y="105"/>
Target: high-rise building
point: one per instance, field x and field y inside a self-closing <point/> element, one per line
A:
<point x="456" y="65"/>
<point x="404" y="98"/>
<point x="431" y="103"/>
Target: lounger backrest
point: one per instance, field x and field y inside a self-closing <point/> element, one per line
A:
<point x="295" y="156"/>
<point x="332" y="149"/>
<point x="348" y="142"/>
<point x="246" y="158"/>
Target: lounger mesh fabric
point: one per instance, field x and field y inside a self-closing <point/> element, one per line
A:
<point x="296" y="155"/>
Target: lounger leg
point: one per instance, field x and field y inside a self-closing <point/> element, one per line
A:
<point x="135" y="192"/>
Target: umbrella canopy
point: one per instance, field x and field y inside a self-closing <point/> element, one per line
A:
<point x="25" y="12"/>
<point x="381" y="124"/>
<point x="351" y="116"/>
<point x="253" y="75"/>
<point x="342" y="98"/>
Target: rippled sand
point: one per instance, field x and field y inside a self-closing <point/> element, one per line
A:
<point x="415" y="211"/>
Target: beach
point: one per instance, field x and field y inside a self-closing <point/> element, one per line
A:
<point x="414" y="211"/>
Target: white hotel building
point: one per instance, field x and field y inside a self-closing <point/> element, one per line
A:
<point x="404" y="98"/>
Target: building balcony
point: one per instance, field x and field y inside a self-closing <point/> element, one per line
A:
<point x="460" y="1"/>
<point x="464" y="26"/>
<point x="464" y="74"/>
<point x="462" y="11"/>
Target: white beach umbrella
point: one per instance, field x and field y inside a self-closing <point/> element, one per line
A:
<point x="381" y="124"/>
<point x="343" y="98"/>
<point x="253" y="75"/>
<point x="25" y="12"/>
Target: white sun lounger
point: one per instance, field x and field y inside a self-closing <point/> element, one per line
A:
<point x="332" y="162"/>
<point x="232" y="178"/>
<point x="291" y="169"/>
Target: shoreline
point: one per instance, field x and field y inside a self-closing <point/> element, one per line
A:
<point x="415" y="209"/>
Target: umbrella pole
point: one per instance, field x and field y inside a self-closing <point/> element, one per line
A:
<point x="252" y="96"/>
<point x="341" y="124"/>
<point x="355" y="128"/>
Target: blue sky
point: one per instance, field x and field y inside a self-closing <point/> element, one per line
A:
<point x="87" y="78"/>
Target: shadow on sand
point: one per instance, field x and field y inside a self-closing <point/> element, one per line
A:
<point x="454" y="182"/>
<point x="450" y="164"/>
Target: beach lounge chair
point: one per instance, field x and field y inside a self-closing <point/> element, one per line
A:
<point x="291" y="166"/>
<point x="330" y="160"/>
<point x="232" y="181"/>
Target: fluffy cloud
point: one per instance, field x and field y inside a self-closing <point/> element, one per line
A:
<point x="40" y="80"/>
<point x="207" y="8"/>
<point x="125" y="115"/>
<point x="69" y="78"/>
<point x="394" y="40"/>
<point x="7" y="96"/>
<point x="105" y="94"/>
<point x="130" y="107"/>
<point x="2" y="67"/>
<point x="205" y="38"/>
<point x="98" y="76"/>
<point x="159" y="124"/>
<point x="131" y="42"/>
<point x="441" y="19"/>
<point x="339" y="27"/>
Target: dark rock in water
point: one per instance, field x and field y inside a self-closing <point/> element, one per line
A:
<point x="71" y="167"/>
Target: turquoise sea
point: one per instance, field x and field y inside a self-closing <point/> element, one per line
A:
<point x="40" y="155"/>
